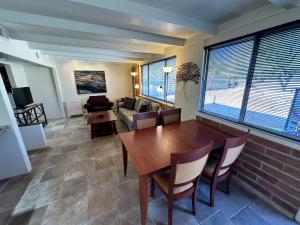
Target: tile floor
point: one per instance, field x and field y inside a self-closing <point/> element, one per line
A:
<point x="79" y="181"/>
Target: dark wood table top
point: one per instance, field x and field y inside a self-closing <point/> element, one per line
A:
<point x="150" y="149"/>
<point x="101" y="117"/>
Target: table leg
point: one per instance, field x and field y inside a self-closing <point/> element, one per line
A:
<point x="143" y="186"/>
<point x="92" y="131"/>
<point x="115" y="127"/>
<point x="125" y="159"/>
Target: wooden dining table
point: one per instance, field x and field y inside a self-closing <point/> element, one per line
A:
<point x="150" y="149"/>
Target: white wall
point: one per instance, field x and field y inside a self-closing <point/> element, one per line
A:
<point x="33" y="137"/>
<point x="187" y="93"/>
<point x="13" y="157"/>
<point x="42" y="86"/>
<point x="16" y="74"/>
<point x="118" y="79"/>
<point x="21" y="50"/>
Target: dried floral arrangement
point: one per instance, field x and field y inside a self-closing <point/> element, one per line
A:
<point x="188" y="71"/>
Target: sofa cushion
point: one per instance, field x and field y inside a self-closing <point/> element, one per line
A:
<point x="127" y="112"/>
<point x="97" y="100"/>
<point x="129" y="103"/>
<point x="126" y="116"/>
<point x="142" y="107"/>
<point x="153" y="106"/>
<point x="136" y="104"/>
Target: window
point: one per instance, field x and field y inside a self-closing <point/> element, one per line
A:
<point x="226" y="79"/>
<point x="171" y="80"/>
<point x="256" y="80"/>
<point x="155" y="83"/>
<point x="145" y="87"/>
<point x="156" y="80"/>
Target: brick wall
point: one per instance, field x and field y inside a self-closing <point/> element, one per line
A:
<point x="270" y="168"/>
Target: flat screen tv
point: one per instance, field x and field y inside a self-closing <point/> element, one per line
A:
<point x="22" y="96"/>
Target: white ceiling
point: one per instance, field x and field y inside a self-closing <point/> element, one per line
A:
<point x="214" y="11"/>
<point x="118" y="30"/>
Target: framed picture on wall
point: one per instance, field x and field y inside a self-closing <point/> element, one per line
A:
<point x="88" y="82"/>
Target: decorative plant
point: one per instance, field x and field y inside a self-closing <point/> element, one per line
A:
<point x="188" y="71"/>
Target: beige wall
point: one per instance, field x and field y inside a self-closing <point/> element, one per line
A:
<point x="187" y="94"/>
<point x="118" y="79"/>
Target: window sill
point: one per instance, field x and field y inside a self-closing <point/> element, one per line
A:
<point x="158" y="101"/>
<point x="271" y="137"/>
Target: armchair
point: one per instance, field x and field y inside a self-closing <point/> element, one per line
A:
<point x="98" y="103"/>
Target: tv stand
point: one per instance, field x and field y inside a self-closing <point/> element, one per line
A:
<point x="32" y="114"/>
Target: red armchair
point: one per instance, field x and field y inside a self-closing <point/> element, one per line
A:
<point x="98" y="103"/>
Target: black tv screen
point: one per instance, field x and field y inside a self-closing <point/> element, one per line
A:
<point x="22" y="97"/>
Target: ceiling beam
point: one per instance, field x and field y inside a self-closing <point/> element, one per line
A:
<point x="286" y="4"/>
<point x="242" y="22"/>
<point x="148" y="12"/>
<point x="71" y="58"/>
<point x="90" y="56"/>
<point x="64" y="24"/>
<point x="83" y="50"/>
<point x="50" y="39"/>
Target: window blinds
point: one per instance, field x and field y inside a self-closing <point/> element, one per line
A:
<point x="256" y="81"/>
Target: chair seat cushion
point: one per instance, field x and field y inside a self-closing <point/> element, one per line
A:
<point x="211" y="165"/>
<point x="163" y="181"/>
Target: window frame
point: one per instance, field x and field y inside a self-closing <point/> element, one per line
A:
<point x="164" y="81"/>
<point x="256" y="37"/>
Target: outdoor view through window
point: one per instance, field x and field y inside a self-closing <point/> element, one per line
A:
<point x="154" y="80"/>
<point x="256" y="81"/>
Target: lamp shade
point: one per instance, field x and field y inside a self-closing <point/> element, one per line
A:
<point x="159" y="89"/>
<point x="167" y="69"/>
<point x="133" y="74"/>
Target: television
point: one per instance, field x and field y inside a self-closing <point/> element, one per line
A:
<point x="22" y="97"/>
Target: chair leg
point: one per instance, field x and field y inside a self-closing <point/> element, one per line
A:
<point x="170" y="211"/>
<point x="212" y="192"/>
<point x="152" y="187"/>
<point x="228" y="184"/>
<point x="194" y="202"/>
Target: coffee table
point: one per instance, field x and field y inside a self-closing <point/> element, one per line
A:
<point x="102" y="123"/>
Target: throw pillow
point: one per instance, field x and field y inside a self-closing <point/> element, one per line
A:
<point x="144" y="107"/>
<point x="129" y="103"/>
<point x="141" y="102"/>
<point x="153" y="107"/>
<point x="136" y="104"/>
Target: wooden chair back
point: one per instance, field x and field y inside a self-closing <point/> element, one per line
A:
<point x="145" y="120"/>
<point x="233" y="148"/>
<point x="170" y="116"/>
<point x="186" y="169"/>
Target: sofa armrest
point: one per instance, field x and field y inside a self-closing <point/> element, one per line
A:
<point x="87" y="106"/>
<point x="109" y="105"/>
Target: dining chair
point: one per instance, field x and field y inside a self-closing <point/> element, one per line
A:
<point x="183" y="178"/>
<point x="170" y="116"/>
<point x="219" y="168"/>
<point x="145" y="120"/>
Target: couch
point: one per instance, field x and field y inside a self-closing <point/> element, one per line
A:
<point x="98" y="103"/>
<point x="140" y="105"/>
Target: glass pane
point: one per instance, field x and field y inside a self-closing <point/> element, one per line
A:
<point x="226" y="79"/>
<point x="274" y="100"/>
<point x="156" y="80"/>
<point x="171" y="80"/>
<point x="145" y="80"/>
